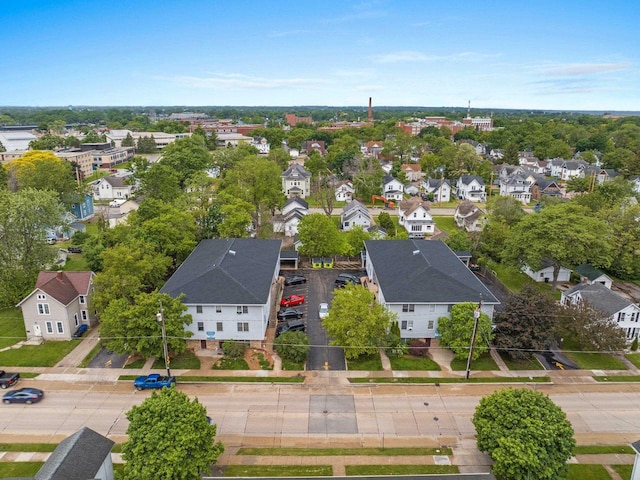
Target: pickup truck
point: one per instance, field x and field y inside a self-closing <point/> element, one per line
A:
<point x="8" y="379"/>
<point x="154" y="380"/>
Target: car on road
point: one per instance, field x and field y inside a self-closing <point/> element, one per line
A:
<point x="323" y="310"/>
<point x="154" y="380"/>
<point x="82" y="329"/>
<point x="8" y="379"/>
<point x="345" y="278"/>
<point x="295" y="280"/>
<point x="26" y="395"/>
<point x="295" y="326"/>
<point x="74" y="249"/>
<point x="292" y="301"/>
<point x="289" y="313"/>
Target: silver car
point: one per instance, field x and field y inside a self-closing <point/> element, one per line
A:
<point x="323" y="310"/>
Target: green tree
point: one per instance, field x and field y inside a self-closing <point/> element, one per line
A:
<point x="46" y="142"/>
<point x="71" y="141"/>
<point x="580" y="238"/>
<point x="525" y="433"/>
<point x="2" y="148"/>
<point x="160" y="182"/>
<point x="456" y="330"/>
<point x="325" y="193"/>
<point x="625" y="240"/>
<point x="147" y="144"/>
<point x="187" y="157"/>
<point x="133" y="327"/>
<point x="316" y="164"/>
<point x="357" y="322"/>
<point x="355" y="239"/>
<point x="169" y="436"/>
<point x="459" y="240"/>
<point x="319" y="235"/>
<point x="368" y="180"/>
<point x="293" y="346"/>
<point x="93" y="137"/>
<point x="526" y="324"/>
<point x="590" y="328"/>
<point x="128" y="141"/>
<point x="385" y="221"/>
<point x="236" y="217"/>
<point x="511" y="154"/>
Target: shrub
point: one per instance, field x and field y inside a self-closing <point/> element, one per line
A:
<point x="293" y="346"/>
<point x="418" y="348"/>
<point x="234" y="349"/>
<point x="634" y="344"/>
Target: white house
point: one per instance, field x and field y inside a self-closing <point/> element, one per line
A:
<point x="114" y="187"/>
<point x="392" y="189"/>
<point x="229" y="288"/>
<point x="413" y="171"/>
<point x="296" y="181"/>
<point x="414" y="216"/>
<point x="440" y="188"/>
<point x="420" y="281"/>
<point x="469" y="217"/>
<point x="262" y="144"/>
<point x="545" y="273"/>
<point x="471" y="187"/>
<point x="345" y="191"/>
<point x="554" y="167"/>
<point x="572" y="169"/>
<point x="292" y="212"/>
<point x="516" y="186"/>
<point x="623" y="312"/>
<point x="355" y="214"/>
<point x="590" y="275"/>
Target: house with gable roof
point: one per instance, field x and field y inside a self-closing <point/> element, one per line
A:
<point x="292" y="212"/>
<point x="392" y="189"/>
<point x="309" y="146"/>
<point x="601" y="175"/>
<point x="414" y="216"/>
<point x="229" y="286"/>
<point x="590" y="275"/>
<point x="469" y="217"/>
<point x="618" y="309"/>
<point x="58" y="304"/>
<point x="345" y="191"/>
<point x="439" y="188"/>
<point x="296" y="181"/>
<point x="516" y="186"/>
<point x="554" y="167"/>
<point x="545" y="272"/>
<point x="420" y="282"/>
<point x="471" y="187"/>
<point x="413" y="171"/>
<point x="113" y="187"/>
<point x="355" y="214"/>
<point x="572" y="169"/>
<point x="372" y="149"/>
<point x="541" y="187"/>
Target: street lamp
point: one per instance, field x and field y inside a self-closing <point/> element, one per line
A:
<point x="160" y="318"/>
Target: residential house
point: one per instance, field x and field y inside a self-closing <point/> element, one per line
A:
<point x="83" y="455"/>
<point x="411" y="189"/>
<point x="636" y="183"/>
<point x="83" y="210"/>
<point x="590" y="275"/>
<point x="480" y="148"/>
<point x="311" y="145"/>
<point x="372" y="149"/>
<point x="572" y="169"/>
<point x="377" y="232"/>
<point x="415" y="218"/>
<point x="413" y="171"/>
<point x="541" y="187"/>
<point x="545" y="272"/>
<point x="600" y="175"/>
<point x="618" y="309"/>
<point x="516" y="186"/>
<point x="355" y="214"/>
<point x="469" y="217"/>
<point x="496" y="154"/>
<point x="296" y="181"/>
<point x="440" y="188"/>
<point x="58" y="304"/>
<point x="233" y="139"/>
<point x="229" y="289"/>
<point x="113" y="187"/>
<point x="471" y="187"/>
<point x="292" y="212"/>
<point x="262" y="144"/>
<point x="392" y="189"/>
<point x="554" y="167"/>
<point x="345" y="191"/>
<point x="420" y="281"/>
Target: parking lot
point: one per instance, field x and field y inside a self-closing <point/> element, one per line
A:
<point x="318" y="288"/>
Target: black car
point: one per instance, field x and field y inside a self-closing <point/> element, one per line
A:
<point x="295" y="280"/>
<point x="295" y="326"/>
<point x="289" y="313"/>
<point x="345" y="278"/>
<point x="73" y="249"/>
<point x="82" y="329"/>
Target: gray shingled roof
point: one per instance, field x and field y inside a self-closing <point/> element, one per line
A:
<point x="600" y="297"/>
<point x="296" y="170"/>
<point x="423" y="271"/>
<point x="227" y="272"/>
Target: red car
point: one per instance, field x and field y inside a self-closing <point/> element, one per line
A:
<point x="292" y="300"/>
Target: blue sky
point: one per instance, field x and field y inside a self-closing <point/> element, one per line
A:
<point x="560" y="54"/>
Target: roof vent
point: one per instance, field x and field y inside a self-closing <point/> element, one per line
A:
<point x="416" y="252"/>
<point x="232" y="252"/>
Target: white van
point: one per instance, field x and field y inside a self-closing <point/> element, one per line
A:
<point x="116" y="203"/>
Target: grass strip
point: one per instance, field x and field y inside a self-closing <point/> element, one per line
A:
<point x="94" y="351"/>
<point x="623" y="470"/>
<point x="19" y="469"/>
<point x="602" y="449"/>
<point x="28" y="447"/>
<point x="451" y="380"/>
<point x="278" y="471"/>
<point x="375" y="470"/>
<point x="617" y="378"/>
<point x="188" y="378"/>
<point x="583" y="471"/>
<point x="328" y="452"/>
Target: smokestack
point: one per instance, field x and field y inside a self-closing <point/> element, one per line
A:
<point x="370" y="112"/>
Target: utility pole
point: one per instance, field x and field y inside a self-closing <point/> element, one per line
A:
<point x="476" y="316"/>
<point x="160" y="318"/>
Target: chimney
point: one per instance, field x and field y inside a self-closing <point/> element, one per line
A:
<point x="59" y="275"/>
<point x="370" y="112"/>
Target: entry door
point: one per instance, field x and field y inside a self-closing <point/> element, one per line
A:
<point x="36" y="330"/>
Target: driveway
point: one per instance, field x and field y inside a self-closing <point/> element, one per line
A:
<point x="318" y="289"/>
<point x="108" y="359"/>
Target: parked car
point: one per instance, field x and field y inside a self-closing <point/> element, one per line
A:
<point x="81" y="330"/>
<point x="323" y="310"/>
<point x="74" y="249"/>
<point x="292" y="300"/>
<point x="345" y="278"/>
<point x="8" y="379"/>
<point x="26" y="395"/>
<point x="289" y="313"/>
<point x="154" y="380"/>
<point x="295" y="280"/>
<point x="295" y="326"/>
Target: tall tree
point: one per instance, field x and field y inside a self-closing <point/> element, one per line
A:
<point x="187" y="157"/>
<point x="128" y="141"/>
<point x="147" y="144"/>
<point x="456" y="330"/>
<point x="591" y="328"/>
<point x="46" y="142"/>
<point x="357" y="322"/>
<point x="354" y="240"/>
<point x="577" y="237"/>
<point x="525" y="433"/>
<point x="320" y="236"/>
<point x="511" y="155"/>
<point x="169" y="436"/>
<point x="325" y="193"/>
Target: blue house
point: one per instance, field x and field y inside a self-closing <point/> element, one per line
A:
<point x="83" y="210"/>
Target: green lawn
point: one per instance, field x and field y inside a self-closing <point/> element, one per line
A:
<point x="19" y="469"/>
<point x="76" y="263"/>
<point x="227" y="363"/>
<point x="278" y="471"/>
<point x="531" y="364"/>
<point x="185" y="361"/>
<point x="602" y="449"/>
<point x="408" y="362"/>
<point x="451" y="380"/>
<point x="138" y="363"/>
<point x="330" y="452"/>
<point x="483" y="363"/>
<point x="28" y="447"/>
<point x="623" y="470"/>
<point x="595" y="361"/>
<point x="290" y="365"/>
<point x="11" y="326"/>
<point x="374" y="470"/>
<point x="45" y="355"/>
<point x="197" y="378"/>
<point x="445" y="224"/>
<point x="370" y="363"/>
<point x="634" y="358"/>
<point x="581" y="471"/>
<point x="617" y="378"/>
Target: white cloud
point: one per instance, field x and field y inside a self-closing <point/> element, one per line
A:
<point x="414" y="56"/>
<point x="579" y="69"/>
<point x="238" y="80"/>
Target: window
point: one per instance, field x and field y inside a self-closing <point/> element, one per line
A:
<point x="432" y="308"/>
<point x="198" y="308"/>
<point x="75" y="319"/>
<point x="621" y="316"/>
<point x="81" y="299"/>
<point x="83" y="313"/>
<point x="243" y="326"/>
<point x="218" y="326"/>
<point x="242" y="309"/>
<point x="41" y="296"/>
<point x="416" y="228"/>
<point x="43" y="309"/>
<point x="218" y="309"/>
<point x="201" y="326"/>
<point x="403" y="325"/>
<point x="408" y="307"/>
<point x="430" y="325"/>
<point x="49" y="326"/>
<point x="60" y="327"/>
